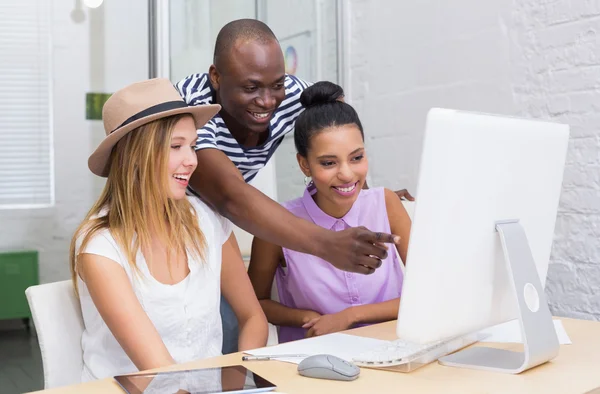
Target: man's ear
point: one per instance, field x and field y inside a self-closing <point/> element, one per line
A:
<point x="214" y="76"/>
<point x="303" y="163"/>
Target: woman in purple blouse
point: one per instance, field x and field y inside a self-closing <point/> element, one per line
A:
<point x="315" y="297"/>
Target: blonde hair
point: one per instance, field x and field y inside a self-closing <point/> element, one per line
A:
<point x="135" y="203"/>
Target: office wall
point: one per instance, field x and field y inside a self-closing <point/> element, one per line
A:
<point x="560" y="80"/>
<point x="530" y="58"/>
<point x="105" y="49"/>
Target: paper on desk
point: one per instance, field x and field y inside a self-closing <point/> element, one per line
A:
<point x="511" y="332"/>
<point x="341" y="345"/>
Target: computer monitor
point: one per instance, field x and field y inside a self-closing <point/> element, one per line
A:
<point x="478" y="171"/>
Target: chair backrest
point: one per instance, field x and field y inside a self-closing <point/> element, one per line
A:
<point x="57" y="317"/>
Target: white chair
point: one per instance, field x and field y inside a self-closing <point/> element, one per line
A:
<point x="57" y="317"/>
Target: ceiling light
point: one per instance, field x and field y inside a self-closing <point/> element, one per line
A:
<point x="93" y="3"/>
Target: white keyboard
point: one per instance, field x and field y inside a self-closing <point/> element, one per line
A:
<point x="402" y="352"/>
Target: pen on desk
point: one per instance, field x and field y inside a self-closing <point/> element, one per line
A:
<point x="272" y="356"/>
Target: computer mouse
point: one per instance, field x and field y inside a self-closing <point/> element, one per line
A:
<point x="326" y="366"/>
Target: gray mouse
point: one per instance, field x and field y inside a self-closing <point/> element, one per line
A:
<point x="326" y="366"/>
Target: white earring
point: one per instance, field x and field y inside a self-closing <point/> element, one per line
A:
<point x="307" y="180"/>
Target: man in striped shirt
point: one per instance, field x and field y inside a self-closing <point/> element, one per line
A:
<point x="260" y="104"/>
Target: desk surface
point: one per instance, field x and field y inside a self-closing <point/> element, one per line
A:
<point x="575" y="370"/>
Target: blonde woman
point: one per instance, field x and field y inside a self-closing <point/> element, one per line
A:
<point x="150" y="263"/>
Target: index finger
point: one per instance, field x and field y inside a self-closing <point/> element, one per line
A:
<point x="380" y="237"/>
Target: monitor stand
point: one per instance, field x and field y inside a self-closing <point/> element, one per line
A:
<point x="537" y="329"/>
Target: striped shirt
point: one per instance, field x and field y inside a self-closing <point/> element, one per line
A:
<point x="196" y="90"/>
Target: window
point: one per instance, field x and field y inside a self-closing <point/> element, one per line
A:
<point x="26" y="162"/>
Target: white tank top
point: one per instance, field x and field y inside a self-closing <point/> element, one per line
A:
<point x="186" y="315"/>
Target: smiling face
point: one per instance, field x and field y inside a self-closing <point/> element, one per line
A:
<point x="250" y="86"/>
<point x="338" y="166"/>
<point x="182" y="157"/>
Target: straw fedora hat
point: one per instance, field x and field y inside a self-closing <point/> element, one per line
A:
<point x="138" y="104"/>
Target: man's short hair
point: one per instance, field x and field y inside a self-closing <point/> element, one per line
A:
<point x="241" y="29"/>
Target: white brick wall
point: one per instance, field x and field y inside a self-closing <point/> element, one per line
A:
<point x="530" y="58"/>
<point x="559" y="79"/>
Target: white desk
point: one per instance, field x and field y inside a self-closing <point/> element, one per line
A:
<point x="575" y="370"/>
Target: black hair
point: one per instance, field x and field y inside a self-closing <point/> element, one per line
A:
<point x="246" y="29"/>
<point x="324" y="108"/>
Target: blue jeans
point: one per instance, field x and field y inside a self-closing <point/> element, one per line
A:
<point x="230" y="328"/>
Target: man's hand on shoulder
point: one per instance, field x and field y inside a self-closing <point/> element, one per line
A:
<point x="404" y="195"/>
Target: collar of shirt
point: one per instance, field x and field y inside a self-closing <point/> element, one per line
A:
<point x="324" y="220"/>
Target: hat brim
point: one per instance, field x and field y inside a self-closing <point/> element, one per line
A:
<point x="98" y="162"/>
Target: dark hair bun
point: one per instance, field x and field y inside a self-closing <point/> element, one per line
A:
<point x="324" y="108"/>
<point x="321" y="93"/>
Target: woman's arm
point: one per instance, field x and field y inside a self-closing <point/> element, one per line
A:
<point x="263" y="263"/>
<point x="362" y="314"/>
<point x="237" y="290"/>
<point x="399" y="221"/>
<point x="120" y="309"/>
<point x="374" y="313"/>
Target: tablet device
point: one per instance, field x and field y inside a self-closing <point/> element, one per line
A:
<point x="230" y="380"/>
